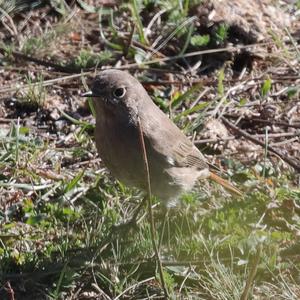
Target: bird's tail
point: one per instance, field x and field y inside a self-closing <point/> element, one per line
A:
<point x="225" y="183"/>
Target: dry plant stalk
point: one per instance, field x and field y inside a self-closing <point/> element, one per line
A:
<point x="149" y="197"/>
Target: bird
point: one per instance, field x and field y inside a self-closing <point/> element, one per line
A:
<point x="125" y="113"/>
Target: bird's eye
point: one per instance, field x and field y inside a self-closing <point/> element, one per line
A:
<point x="119" y="92"/>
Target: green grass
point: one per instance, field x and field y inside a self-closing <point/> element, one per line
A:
<point x="88" y="59"/>
<point x="45" y="43"/>
<point x="60" y="230"/>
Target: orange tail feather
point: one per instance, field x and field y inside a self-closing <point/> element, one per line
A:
<point x="225" y="183"/>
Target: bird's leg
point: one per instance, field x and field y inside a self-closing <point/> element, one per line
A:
<point x="165" y="213"/>
<point x="133" y="221"/>
<point x="137" y="211"/>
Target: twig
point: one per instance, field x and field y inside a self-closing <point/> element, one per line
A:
<point x="196" y="53"/>
<point x="10" y="291"/>
<point x="289" y="141"/>
<point x="4" y="120"/>
<point x="44" y="83"/>
<point x="293" y="41"/>
<point x="266" y="151"/>
<point x="268" y="122"/>
<point x="230" y="138"/>
<point x="155" y="17"/>
<point x="39" y="61"/>
<point x="25" y="186"/>
<point x="252" y="274"/>
<point x="98" y="289"/>
<point x="129" y="41"/>
<point x="248" y="136"/>
<point x="13" y="30"/>
<point x="185" y="279"/>
<point x="152" y="228"/>
<point x="133" y="287"/>
<point x="135" y="65"/>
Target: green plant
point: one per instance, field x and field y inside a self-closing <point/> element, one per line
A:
<point x="60" y="6"/>
<point x="266" y="87"/>
<point x="33" y="45"/>
<point x="36" y="93"/>
<point x="88" y="59"/>
<point x="135" y="7"/>
<point x="200" y="40"/>
<point x="221" y="34"/>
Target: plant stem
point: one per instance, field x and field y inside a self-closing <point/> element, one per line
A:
<point x="152" y="227"/>
<point x="252" y="274"/>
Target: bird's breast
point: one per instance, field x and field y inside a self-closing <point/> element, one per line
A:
<point x="117" y="142"/>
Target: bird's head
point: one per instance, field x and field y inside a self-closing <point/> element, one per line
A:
<point x="117" y="92"/>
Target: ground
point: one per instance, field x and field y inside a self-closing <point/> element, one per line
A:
<point x="226" y="74"/>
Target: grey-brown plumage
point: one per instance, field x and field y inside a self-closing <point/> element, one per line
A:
<point x="175" y="164"/>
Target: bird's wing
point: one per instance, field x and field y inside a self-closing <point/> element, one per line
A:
<point x="187" y="155"/>
<point x="167" y="141"/>
<point x="170" y="146"/>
